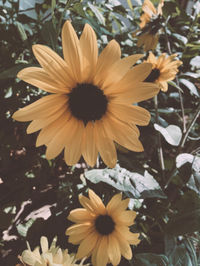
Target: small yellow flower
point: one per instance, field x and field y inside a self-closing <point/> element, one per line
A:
<point x="49" y="257"/>
<point x="102" y="232"/>
<point x="150" y="25"/>
<point x="90" y="105"/>
<point x="150" y="12"/>
<point x="164" y="69"/>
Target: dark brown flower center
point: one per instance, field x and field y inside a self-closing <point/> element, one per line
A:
<point x="87" y="102"/>
<point x="104" y="224"/>
<point x="155" y="73"/>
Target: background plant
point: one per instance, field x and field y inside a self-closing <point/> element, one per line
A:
<point x="37" y="195"/>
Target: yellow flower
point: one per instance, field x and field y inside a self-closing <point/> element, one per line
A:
<point x="90" y="105"/>
<point x="102" y="232"/>
<point x="49" y="256"/>
<point x="150" y="12"/>
<point x="163" y="69"/>
<point x="149" y="25"/>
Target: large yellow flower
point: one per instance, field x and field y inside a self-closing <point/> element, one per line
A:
<point x="164" y="69"/>
<point x="90" y="105"/>
<point x="149" y="25"/>
<point x="49" y="256"/>
<point x="102" y="232"/>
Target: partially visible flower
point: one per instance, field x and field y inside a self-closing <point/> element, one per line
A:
<point x="49" y="257"/>
<point x="150" y="12"/>
<point x="102" y="231"/>
<point x="90" y="102"/>
<point x="164" y="69"/>
<point x="150" y="25"/>
<point x="149" y="41"/>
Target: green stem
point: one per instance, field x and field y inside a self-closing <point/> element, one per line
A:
<point x="177" y="82"/>
<point x="61" y="18"/>
<point x="184" y="138"/>
<point x="160" y="151"/>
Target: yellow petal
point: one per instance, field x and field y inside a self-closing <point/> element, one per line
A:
<point x="105" y="146"/>
<point x="72" y="50"/>
<point x="102" y="255"/>
<point x="123" y="133"/>
<point x="80" y="215"/>
<point x="125" y="217"/>
<point x="44" y="244"/>
<point x="148" y="7"/>
<point x="87" y="245"/>
<point x="113" y="203"/>
<point x="78" y="229"/>
<point x="86" y="203"/>
<point x="114" y="253"/>
<point x="125" y="248"/>
<point x="96" y="201"/>
<point x="39" y="78"/>
<point x="48" y="132"/>
<point x="133" y="76"/>
<point x="137" y="92"/>
<point x="160" y="60"/>
<point x="110" y="54"/>
<point x="130" y="114"/>
<point x="123" y="204"/>
<point x="53" y="65"/>
<point x="62" y="138"/>
<point x="151" y="58"/>
<point x="43" y="107"/>
<point x="77" y="238"/>
<point x="89" y="150"/>
<point x="119" y="69"/>
<point x="132" y="238"/>
<point x="36" y="125"/>
<point x="94" y="252"/>
<point x="73" y="147"/>
<point x="89" y="48"/>
<point x="164" y="86"/>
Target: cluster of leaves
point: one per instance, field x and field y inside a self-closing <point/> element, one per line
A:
<point x="37" y="195"/>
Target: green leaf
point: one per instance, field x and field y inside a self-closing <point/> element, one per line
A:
<point x="133" y="184"/>
<point x="194" y="161"/>
<point x="187" y="218"/>
<point x="130" y="4"/>
<point x="190" y="86"/>
<point x="21" y="31"/>
<point x="78" y="7"/>
<point x="172" y="133"/>
<point x="12" y="71"/>
<point x="181" y="38"/>
<point x="195" y="61"/>
<point x="182" y="254"/>
<point x="49" y="34"/>
<point x="191" y="74"/>
<point x="150" y="259"/>
<point x="170" y="244"/>
<point x="23" y="228"/>
<point x="180" y="257"/>
<point x="97" y="13"/>
<point x="173" y="84"/>
<point x="191" y="251"/>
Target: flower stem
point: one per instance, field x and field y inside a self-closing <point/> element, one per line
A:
<point x="197" y="113"/>
<point x="160" y="151"/>
<point x="177" y="82"/>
